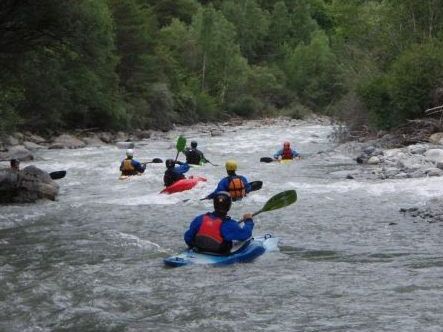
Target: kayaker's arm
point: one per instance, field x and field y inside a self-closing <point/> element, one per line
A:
<point x="295" y="153"/>
<point x="182" y="168"/>
<point x="222" y="186"/>
<point x="232" y="231"/>
<point x="278" y="154"/>
<point x="138" y="166"/>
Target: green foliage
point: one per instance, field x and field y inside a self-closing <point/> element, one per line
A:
<point x="121" y="64"/>
<point x="404" y="92"/>
<point x="313" y="72"/>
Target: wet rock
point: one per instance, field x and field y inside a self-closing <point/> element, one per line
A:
<point x="433" y="172"/>
<point x="125" y="145"/>
<point x="436" y="138"/>
<point x="35" y="139"/>
<point x="106" y="137"/>
<point x="416" y="149"/>
<point x="216" y="132"/>
<point x="440" y="165"/>
<point x="69" y="141"/>
<point x="32" y="145"/>
<point x="142" y="134"/>
<point x="121" y="136"/>
<point x="17" y="152"/>
<point x="361" y="159"/>
<point x="11" y="141"/>
<point x="435" y="155"/>
<point x="27" y="185"/>
<point x="432" y="212"/>
<point x="55" y="146"/>
<point x="93" y="140"/>
<point x="374" y="160"/>
<point x="369" y="150"/>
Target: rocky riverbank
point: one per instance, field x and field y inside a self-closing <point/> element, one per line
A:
<point x="22" y="146"/>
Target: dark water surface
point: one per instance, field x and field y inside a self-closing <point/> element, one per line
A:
<point x="92" y="261"/>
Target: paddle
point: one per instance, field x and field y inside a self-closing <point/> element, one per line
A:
<point x="153" y="161"/>
<point x="57" y="175"/>
<point x="278" y="201"/>
<point x="267" y="160"/>
<point x="256" y="185"/>
<point x="181" y="145"/>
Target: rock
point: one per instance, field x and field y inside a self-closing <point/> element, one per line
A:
<point x="435" y="155"/>
<point x="35" y="139"/>
<point x="369" y="150"/>
<point x="440" y="165"/>
<point x="417" y="149"/>
<point x="32" y="145"/>
<point x="17" y="152"/>
<point x="433" y="172"/>
<point x="125" y="145"/>
<point x="55" y="146"/>
<point x="374" y="160"/>
<point x="121" y="136"/>
<point x="393" y="153"/>
<point x="106" y="137"/>
<point x="436" y="138"/>
<point x="70" y="142"/>
<point x="28" y="185"/>
<point x="93" y="140"/>
<point x="142" y="134"/>
<point x="216" y="132"/>
<point x="11" y="141"/>
<point x="361" y="159"/>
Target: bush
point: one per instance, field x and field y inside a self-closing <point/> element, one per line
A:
<point x="245" y="106"/>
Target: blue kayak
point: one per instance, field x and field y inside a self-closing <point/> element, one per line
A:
<point x="256" y="247"/>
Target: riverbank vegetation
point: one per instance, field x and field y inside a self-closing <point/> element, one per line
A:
<point x="122" y="64"/>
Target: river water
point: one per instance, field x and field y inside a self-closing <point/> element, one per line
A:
<point x="348" y="259"/>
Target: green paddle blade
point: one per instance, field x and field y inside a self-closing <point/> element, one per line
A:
<point x="279" y="201"/>
<point x="181" y="144"/>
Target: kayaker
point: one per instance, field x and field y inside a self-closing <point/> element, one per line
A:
<point x="14" y="164"/>
<point x="216" y="231"/>
<point x="194" y="156"/>
<point x="286" y="153"/>
<point x="174" y="173"/>
<point x="236" y="185"/>
<point x="129" y="166"/>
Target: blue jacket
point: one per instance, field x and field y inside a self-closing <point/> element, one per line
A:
<point x="230" y="229"/>
<point x="223" y="185"/>
<point x="136" y="164"/>
<point x="174" y="174"/>
<point x="279" y="153"/>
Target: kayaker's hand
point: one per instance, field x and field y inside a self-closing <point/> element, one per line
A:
<point x="179" y="162"/>
<point x="247" y="215"/>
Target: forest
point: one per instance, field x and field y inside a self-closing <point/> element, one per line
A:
<point x="126" y="64"/>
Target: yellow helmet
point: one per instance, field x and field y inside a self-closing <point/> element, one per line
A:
<point x="231" y="165"/>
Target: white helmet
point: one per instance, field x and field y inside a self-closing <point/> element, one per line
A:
<point x="129" y="153"/>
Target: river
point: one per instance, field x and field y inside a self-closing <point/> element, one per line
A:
<point x="348" y="259"/>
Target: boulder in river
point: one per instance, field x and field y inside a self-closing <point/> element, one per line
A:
<point x="436" y="138"/>
<point x="26" y="186"/>
<point x="17" y="152"/>
<point x="435" y="155"/>
<point x="68" y="142"/>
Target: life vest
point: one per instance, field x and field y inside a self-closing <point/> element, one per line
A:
<point x="287" y="154"/>
<point x="128" y="168"/>
<point x="236" y="188"/>
<point x="193" y="156"/>
<point x="209" y="237"/>
<point x="171" y="176"/>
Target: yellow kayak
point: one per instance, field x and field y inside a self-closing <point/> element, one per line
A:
<point x="286" y="161"/>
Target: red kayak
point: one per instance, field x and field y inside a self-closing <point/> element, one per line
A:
<point x="182" y="185"/>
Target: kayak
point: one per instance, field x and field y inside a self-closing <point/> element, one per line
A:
<point x="250" y="251"/>
<point x="182" y="185"/>
<point x="127" y="177"/>
<point x="286" y="161"/>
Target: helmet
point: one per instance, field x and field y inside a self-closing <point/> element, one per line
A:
<point x="170" y="163"/>
<point x="286" y="144"/>
<point x="193" y="144"/>
<point x="129" y="153"/>
<point x="222" y="202"/>
<point x="231" y="165"/>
